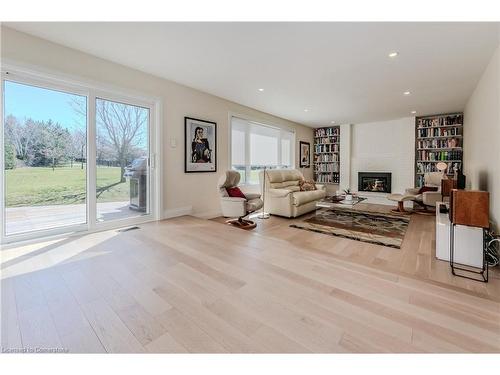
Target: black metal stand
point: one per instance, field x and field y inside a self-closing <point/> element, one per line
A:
<point x="483" y="272"/>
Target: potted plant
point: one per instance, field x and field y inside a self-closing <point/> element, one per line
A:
<point x="348" y="194"/>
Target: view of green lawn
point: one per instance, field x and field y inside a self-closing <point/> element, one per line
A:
<point x="40" y="186"/>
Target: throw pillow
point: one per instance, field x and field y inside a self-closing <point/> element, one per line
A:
<point x="307" y="185"/>
<point x="235" y="192"/>
<point x="423" y="189"/>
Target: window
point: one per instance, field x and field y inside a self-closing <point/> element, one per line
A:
<point x="256" y="146"/>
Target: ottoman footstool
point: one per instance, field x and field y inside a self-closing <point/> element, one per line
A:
<point x="401" y="198"/>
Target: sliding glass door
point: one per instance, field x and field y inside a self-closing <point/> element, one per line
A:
<point x="122" y="160"/>
<point x="73" y="158"/>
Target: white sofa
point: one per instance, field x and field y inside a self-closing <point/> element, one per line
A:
<point x="283" y="196"/>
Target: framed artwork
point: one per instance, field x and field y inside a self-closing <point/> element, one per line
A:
<point x="200" y="145"/>
<point x="305" y="154"/>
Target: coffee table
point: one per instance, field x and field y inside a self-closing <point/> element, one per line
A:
<point x="330" y="202"/>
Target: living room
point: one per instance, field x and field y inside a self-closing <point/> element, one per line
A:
<point x="346" y="203"/>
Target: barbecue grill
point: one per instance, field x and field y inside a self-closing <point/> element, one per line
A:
<point x="137" y="174"/>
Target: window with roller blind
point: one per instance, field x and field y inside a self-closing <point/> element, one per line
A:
<point x="255" y="146"/>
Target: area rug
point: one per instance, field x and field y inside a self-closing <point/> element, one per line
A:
<point x="373" y="227"/>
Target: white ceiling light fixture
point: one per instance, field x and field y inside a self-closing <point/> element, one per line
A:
<point x="333" y="122"/>
<point x="261" y="90"/>
<point x="407" y="93"/>
<point x="306" y="110"/>
<point x="393" y="54"/>
<point x="413" y="112"/>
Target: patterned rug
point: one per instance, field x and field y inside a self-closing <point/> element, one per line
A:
<point x="373" y="227"/>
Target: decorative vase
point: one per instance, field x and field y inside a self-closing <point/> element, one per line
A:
<point x="348" y="197"/>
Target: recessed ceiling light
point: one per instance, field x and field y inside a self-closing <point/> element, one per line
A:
<point x="406" y="93"/>
<point x="333" y="122"/>
<point x="261" y="90"/>
<point x="306" y="110"/>
<point x="393" y="54"/>
<point x="413" y="112"/>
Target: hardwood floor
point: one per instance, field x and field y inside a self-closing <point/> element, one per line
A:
<point x="193" y="285"/>
<point x="416" y="258"/>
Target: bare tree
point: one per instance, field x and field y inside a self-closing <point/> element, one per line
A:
<point x="78" y="145"/>
<point x="124" y="128"/>
<point x="120" y="130"/>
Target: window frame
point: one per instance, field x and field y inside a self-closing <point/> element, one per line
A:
<point x="39" y="77"/>
<point x="266" y="124"/>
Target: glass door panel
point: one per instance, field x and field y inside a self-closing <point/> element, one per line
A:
<point x="45" y="148"/>
<point x="122" y="160"/>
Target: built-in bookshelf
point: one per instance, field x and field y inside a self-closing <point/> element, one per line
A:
<point x="327" y="155"/>
<point x="438" y="138"/>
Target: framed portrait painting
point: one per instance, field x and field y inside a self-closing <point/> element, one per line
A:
<point x="305" y="154"/>
<point x="200" y="145"/>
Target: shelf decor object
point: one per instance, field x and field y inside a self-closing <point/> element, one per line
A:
<point x="438" y="139"/>
<point x="327" y="155"/>
<point x="471" y="209"/>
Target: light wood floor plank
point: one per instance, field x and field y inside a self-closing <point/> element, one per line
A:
<point x="9" y="330"/>
<point x="112" y="332"/>
<point x="188" y="334"/>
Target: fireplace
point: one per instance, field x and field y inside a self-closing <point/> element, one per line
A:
<point x="379" y="182"/>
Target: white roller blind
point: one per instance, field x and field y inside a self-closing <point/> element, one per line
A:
<point x="255" y="146"/>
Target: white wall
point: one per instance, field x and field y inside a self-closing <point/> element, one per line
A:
<point x="181" y="191"/>
<point x="482" y="136"/>
<point x="384" y="146"/>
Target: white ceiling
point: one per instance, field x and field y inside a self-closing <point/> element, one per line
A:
<point x="338" y="71"/>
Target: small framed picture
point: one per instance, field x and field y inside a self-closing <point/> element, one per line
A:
<point x="305" y="154"/>
<point x="200" y="145"/>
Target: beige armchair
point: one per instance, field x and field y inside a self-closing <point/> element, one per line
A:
<point x="428" y="198"/>
<point x="283" y="196"/>
<point x="235" y="206"/>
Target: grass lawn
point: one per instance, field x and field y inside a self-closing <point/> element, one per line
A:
<point x="65" y="185"/>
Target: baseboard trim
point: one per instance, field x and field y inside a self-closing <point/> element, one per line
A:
<point x="175" y="212"/>
<point x="208" y="214"/>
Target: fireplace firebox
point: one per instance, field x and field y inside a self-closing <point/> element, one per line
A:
<point x="379" y="182"/>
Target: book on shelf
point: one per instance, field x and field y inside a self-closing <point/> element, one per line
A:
<point x="439" y="132"/>
<point x="328" y="140"/>
<point x="327" y="167"/>
<point x="327" y="132"/>
<point x="424" y="155"/>
<point x="328" y="178"/>
<point x="327" y="157"/>
<point x="440" y="120"/>
<point x="326" y="148"/>
<point x="440" y="143"/>
<point x="423" y="167"/>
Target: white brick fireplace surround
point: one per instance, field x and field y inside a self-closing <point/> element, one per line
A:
<point x="383" y="146"/>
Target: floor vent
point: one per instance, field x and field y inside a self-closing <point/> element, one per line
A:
<point x="127" y="229"/>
